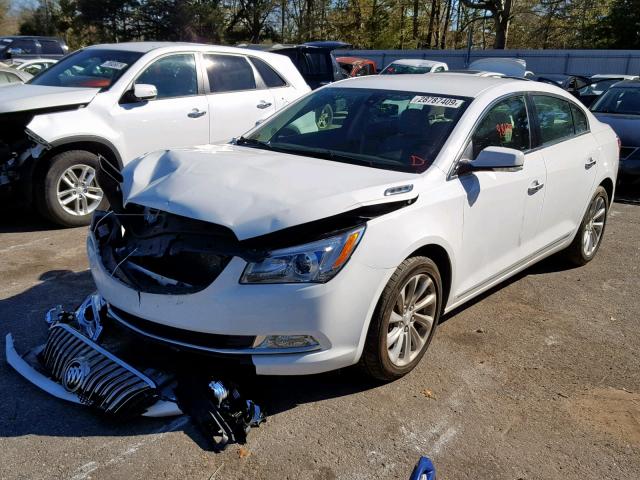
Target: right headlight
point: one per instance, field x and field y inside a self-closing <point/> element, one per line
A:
<point x="315" y="262"/>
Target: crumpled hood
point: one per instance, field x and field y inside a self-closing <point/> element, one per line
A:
<point x="22" y="97"/>
<point x="254" y="192"/>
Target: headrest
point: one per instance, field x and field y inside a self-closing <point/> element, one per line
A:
<point x="413" y="122"/>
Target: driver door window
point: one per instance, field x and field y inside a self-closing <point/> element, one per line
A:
<point x="173" y="76"/>
<point x="505" y="125"/>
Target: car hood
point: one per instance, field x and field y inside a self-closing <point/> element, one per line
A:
<point x="23" y="97"/>
<point x="254" y="192"/>
<point x="627" y="127"/>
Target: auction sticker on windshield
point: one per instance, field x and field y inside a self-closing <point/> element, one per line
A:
<point x="113" y="64"/>
<point x="437" y="101"/>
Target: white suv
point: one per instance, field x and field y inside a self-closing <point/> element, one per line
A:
<point x="120" y="101"/>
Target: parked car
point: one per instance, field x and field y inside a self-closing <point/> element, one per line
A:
<point x="32" y="47"/>
<point x="598" y="84"/>
<point x="298" y="251"/>
<point x="35" y="66"/>
<point x="510" y="67"/>
<point x="357" y="67"/>
<point x="120" y="101"/>
<point x="9" y="76"/>
<point x="476" y="73"/>
<point x="411" y="66"/>
<point x="316" y="64"/>
<point x="619" y="107"/>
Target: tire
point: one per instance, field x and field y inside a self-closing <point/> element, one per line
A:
<point x="72" y="175"/>
<point x="377" y="358"/>
<point x="580" y="252"/>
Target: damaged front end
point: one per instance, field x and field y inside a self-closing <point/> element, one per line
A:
<point x="15" y="148"/>
<point x="88" y="359"/>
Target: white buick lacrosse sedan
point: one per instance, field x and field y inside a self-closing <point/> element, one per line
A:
<point x="341" y="229"/>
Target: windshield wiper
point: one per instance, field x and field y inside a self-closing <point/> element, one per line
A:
<point x="253" y="142"/>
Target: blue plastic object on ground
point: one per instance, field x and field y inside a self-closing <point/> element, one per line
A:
<point x="424" y="470"/>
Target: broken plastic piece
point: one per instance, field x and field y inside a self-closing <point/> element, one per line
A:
<point x="220" y="412"/>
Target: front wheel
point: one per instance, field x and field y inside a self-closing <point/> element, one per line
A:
<point x="589" y="235"/>
<point x="67" y="192"/>
<point x="405" y="320"/>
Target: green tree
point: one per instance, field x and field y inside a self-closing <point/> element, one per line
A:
<point x="621" y="28"/>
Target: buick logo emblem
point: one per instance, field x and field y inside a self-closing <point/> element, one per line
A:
<point x="74" y="373"/>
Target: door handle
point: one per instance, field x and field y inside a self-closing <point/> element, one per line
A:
<point x="195" y="113"/>
<point x="590" y="163"/>
<point x="263" y="104"/>
<point x="535" y="186"/>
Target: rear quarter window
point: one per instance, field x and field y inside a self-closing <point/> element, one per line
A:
<point x="269" y="76"/>
<point x="554" y="118"/>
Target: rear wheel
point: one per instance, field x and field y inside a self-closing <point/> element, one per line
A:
<point x="67" y="193"/>
<point x="589" y="237"/>
<point x="405" y="320"/>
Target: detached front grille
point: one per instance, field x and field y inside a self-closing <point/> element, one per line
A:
<point x="99" y="378"/>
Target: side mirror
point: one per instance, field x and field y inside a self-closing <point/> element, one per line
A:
<point x="494" y="158"/>
<point x="143" y="91"/>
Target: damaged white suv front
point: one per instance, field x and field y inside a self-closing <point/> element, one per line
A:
<point x="306" y="247"/>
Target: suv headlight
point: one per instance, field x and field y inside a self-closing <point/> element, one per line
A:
<point x="315" y="262"/>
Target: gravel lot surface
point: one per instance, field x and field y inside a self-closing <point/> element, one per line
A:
<point x="537" y="380"/>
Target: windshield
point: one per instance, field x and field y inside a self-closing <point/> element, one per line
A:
<point x="596" y="88"/>
<point x="387" y="129"/>
<point x="619" y="100"/>
<point x="91" y="68"/>
<point x="396" y="69"/>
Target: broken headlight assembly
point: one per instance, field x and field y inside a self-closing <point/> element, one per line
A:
<point x="315" y="262"/>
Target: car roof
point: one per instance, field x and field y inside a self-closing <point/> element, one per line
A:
<point x="463" y="86"/>
<point x="628" y="84"/>
<point x="416" y="62"/>
<point x="30" y="37"/>
<point x="613" y="76"/>
<point x="146" y="47"/>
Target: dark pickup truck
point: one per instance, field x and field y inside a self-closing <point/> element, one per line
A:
<point x="32" y="47"/>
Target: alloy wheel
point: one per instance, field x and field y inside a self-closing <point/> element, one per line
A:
<point x="411" y="319"/>
<point x="77" y="190"/>
<point x="592" y="233"/>
<point x="325" y="118"/>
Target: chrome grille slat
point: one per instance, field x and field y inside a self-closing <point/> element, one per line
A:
<point x="102" y="380"/>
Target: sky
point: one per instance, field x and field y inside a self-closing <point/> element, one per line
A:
<point x="17" y="5"/>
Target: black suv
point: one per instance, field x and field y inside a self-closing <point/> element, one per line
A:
<point x="32" y="47"/>
<point x="314" y="60"/>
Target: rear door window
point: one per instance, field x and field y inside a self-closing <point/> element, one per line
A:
<point x="554" y="117"/>
<point x="229" y="73"/>
<point x="269" y="76"/>
<point x="51" y="47"/>
<point x="28" y="47"/>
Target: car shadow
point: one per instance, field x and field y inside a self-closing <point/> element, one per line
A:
<point x="22" y="219"/>
<point x="628" y="195"/>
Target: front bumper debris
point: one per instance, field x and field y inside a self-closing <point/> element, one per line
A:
<point x="87" y="362"/>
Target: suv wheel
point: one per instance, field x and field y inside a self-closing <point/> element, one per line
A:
<point x="67" y="192"/>
<point x="405" y="320"/>
<point x="589" y="237"/>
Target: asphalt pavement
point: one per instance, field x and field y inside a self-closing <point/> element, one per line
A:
<point x="538" y="379"/>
